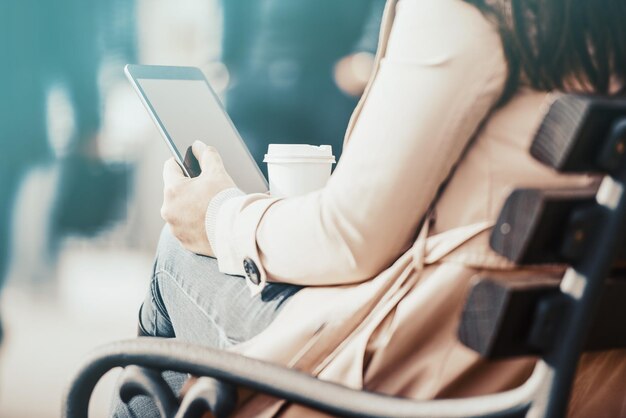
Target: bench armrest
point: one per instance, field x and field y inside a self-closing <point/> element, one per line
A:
<point x="277" y="381"/>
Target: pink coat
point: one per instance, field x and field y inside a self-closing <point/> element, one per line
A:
<point x="383" y="297"/>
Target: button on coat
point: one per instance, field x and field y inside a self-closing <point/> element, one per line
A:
<point x="252" y="271"/>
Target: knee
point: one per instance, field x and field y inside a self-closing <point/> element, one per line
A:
<point x="153" y="310"/>
<point x="167" y="241"/>
<point x="175" y="259"/>
<point x="154" y="319"/>
<point x="169" y="250"/>
<point x="169" y="258"/>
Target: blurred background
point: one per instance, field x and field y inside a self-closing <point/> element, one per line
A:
<point x="80" y="161"/>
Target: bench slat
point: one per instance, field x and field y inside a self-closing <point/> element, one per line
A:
<point x="500" y="317"/>
<point x="570" y="137"/>
<point x="544" y="226"/>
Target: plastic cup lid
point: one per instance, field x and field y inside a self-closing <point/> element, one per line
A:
<point x="299" y="152"/>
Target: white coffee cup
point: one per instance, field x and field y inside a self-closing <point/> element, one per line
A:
<point x="296" y="169"/>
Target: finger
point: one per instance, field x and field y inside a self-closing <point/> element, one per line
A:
<point x="172" y="173"/>
<point x="198" y="148"/>
<point x="208" y="157"/>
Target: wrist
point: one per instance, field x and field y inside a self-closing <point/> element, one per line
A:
<point x="210" y="219"/>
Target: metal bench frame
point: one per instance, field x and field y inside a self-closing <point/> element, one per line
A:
<point x="545" y="393"/>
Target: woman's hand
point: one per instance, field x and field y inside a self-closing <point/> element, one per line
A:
<point x="185" y="200"/>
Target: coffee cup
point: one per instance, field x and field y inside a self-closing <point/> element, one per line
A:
<point x="296" y="169"/>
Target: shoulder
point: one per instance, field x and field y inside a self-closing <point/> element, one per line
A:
<point x="437" y="31"/>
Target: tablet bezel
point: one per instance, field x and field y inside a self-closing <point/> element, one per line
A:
<point x="136" y="72"/>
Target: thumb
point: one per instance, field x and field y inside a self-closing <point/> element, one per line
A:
<point x="208" y="157"/>
<point x="198" y="148"/>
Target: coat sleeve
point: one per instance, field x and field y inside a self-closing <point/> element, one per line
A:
<point x="442" y="71"/>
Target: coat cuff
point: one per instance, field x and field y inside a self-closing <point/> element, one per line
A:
<point x="210" y="219"/>
<point x="235" y="245"/>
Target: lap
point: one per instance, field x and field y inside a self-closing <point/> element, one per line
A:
<point x="206" y="306"/>
<point x="190" y="299"/>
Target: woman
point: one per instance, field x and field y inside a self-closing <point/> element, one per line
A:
<point x="362" y="282"/>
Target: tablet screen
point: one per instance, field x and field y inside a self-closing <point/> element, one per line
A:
<point x="188" y="111"/>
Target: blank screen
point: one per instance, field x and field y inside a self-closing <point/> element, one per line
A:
<point x="189" y="111"/>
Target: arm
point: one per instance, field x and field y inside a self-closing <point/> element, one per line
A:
<point x="443" y="71"/>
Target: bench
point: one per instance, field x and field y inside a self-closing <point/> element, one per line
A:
<point x="553" y="320"/>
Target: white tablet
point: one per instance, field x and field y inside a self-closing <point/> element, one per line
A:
<point x="185" y="109"/>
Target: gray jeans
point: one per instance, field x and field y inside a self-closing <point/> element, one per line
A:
<point x="189" y="299"/>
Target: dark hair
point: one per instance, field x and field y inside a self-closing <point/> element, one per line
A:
<point x="561" y="44"/>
